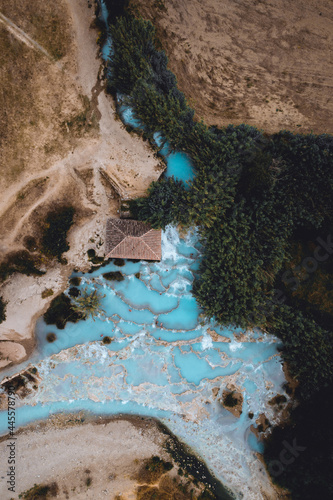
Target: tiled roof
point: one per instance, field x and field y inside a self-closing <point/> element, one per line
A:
<point x="131" y="239"/>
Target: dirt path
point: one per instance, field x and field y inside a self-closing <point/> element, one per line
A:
<point x="25" y="38"/>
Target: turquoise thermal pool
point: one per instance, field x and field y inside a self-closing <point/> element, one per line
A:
<point x="165" y="361"/>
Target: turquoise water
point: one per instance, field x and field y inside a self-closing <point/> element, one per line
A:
<point x="164" y="361"/>
<point x="178" y="163"/>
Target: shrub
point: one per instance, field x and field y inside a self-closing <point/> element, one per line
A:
<point x="19" y="262"/>
<point x="229" y="400"/>
<point x="57" y="224"/>
<point x="2" y="310"/>
<point x="76" y="281"/>
<point x="114" y="276"/>
<point x="119" y="262"/>
<point x="41" y="491"/>
<point x="47" y="293"/>
<point x="107" y="340"/>
<point x="61" y="311"/>
<point x="74" y="292"/>
<point x="310" y="474"/>
<point x="51" y="337"/>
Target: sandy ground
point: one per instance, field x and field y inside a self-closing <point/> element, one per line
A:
<point x="267" y="63"/>
<point x="111" y="452"/>
<point x="95" y="168"/>
<point x="110" y="455"/>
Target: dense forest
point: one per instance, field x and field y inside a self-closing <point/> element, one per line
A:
<point x="263" y="204"/>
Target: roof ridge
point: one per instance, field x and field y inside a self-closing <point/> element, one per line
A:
<point x="149" y="248"/>
<point x="120" y="242"/>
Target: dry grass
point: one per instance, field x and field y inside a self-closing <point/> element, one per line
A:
<point x="41" y="111"/>
<point x="45" y="22"/>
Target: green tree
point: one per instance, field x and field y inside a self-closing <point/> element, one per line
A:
<point x="88" y="304"/>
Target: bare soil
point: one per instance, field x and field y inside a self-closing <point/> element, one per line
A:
<point x="106" y="458"/>
<point x="263" y="62"/>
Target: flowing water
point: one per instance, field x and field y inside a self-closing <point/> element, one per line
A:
<point x="165" y="361"/>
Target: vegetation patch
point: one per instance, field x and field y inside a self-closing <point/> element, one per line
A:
<point x="18" y="382"/>
<point x="107" y="340"/>
<point x="76" y="281"/>
<point x="51" y="337"/>
<point x="113" y="276"/>
<point x="152" y="469"/>
<point x="30" y="243"/>
<point x="54" y="238"/>
<point x="183" y="456"/>
<point x="74" y="292"/>
<point x="88" y="304"/>
<point x="93" y="258"/>
<point x="47" y="293"/>
<point x="20" y="262"/>
<point x="2" y="310"/>
<point x="278" y="400"/>
<point x="230" y="400"/>
<point x="40" y="491"/>
<point x="119" y="262"/>
<point x="60" y="311"/>
<point x="91" y="253"/>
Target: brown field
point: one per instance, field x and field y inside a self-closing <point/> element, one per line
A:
<point x="267" y="63"/>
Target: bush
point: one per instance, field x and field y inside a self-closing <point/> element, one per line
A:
<point x="92" y="257"/>
<point x="76" y="281"/>
<point x="229" y="400"/>
<point x="47" y="293"/>
<point x="91" y="253"/>
<point x="41" y="491"/>
<point x="2" y="310"/>
<point x="88" y="304"/>
<point x="19" y="262"/>
<point x="119" y="262"/>
<point x="51" y="337"/>
<point x="74" y="292"/>
<point x="61" y="311"/>
<point x="107" y="340"/>
<point x="54" y="238"/>
<point x="114" y="276"/>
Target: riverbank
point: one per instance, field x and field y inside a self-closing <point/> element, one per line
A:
<point x="89" y="458"/>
